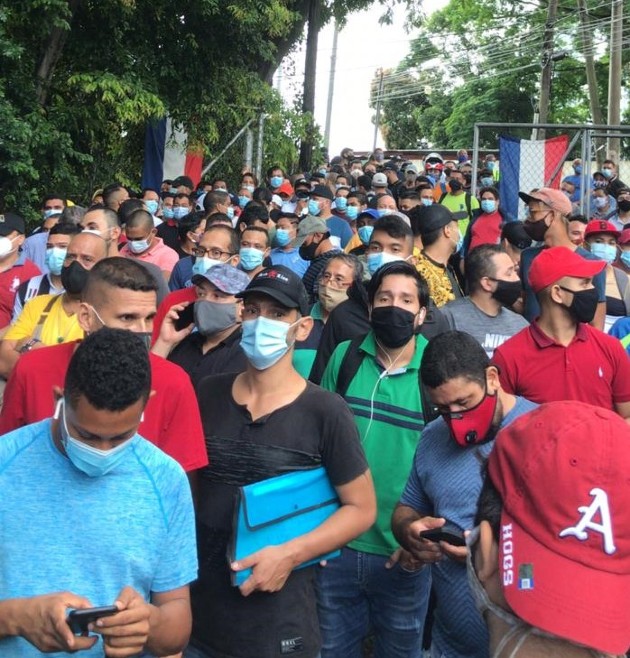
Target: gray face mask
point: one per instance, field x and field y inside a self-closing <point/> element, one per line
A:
<point x="518" y="629"/>
<point x="212" y="317"/>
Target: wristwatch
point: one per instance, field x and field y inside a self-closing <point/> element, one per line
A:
<point x="29" y="345"/>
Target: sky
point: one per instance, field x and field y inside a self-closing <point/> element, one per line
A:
<point x="363" y="47"/>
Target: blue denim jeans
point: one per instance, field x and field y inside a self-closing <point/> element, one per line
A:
<point x="193" y="652"/>
<point x="356" y="594"/>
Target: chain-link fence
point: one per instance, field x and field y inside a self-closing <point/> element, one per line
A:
<point x="526" y="162"/>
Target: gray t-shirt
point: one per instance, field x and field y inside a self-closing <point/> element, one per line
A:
<point x="490" y="331"/>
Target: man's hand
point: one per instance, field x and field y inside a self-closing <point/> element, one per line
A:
<point x="42" y="622"/>
<point x="405" y="559"/>
<point x="271" y="568"/>
<point x="423" y="550"/>
<point x="169" y="336"/>
<point x="457" y="553"/>
<point x="126" y="632"/>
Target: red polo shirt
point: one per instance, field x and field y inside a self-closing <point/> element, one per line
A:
<point x="593" y="368"/>
<point x="10" y="280"/>
<point x="171" y="417"/>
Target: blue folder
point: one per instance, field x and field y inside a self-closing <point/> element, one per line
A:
<point x="279" y="509"/>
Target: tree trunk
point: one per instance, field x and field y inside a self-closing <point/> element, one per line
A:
<point x="310" y="69"/>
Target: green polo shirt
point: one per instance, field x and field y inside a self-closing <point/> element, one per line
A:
<point x="388" y="413"/>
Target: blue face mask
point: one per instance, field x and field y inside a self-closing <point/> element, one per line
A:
<point x="180" y="212"/>
<point x="276" y="181"/>
<point x="608" y="172"/>
<point x="488" y="205"/>
<point x="138" y="246"/>
<point x="577" y="169"/>
<point x="607" y="252"/>
<point x="341" y="203"/>
<point x="251" y="258"/>
<point x="152" y="206"/>
<point x="91" y="461"/>
<point x="486" y="182"/>
<point x="250" y="188"/>
<point x="243" y="201"/>
<point x="282" y="237"/>
<point x="365" y="233"/>
<point x="264" y="341"/>
<point x="313" y="207"/>
<point x="625" y="258"/>
<point x="203" y="264"/>
<point x="381" y="212"/>
<point x="600" y="201"/>
<point x="352" y="212"/>
<point x="54" y="259"/>
<point x="51" y="211"/>
<point x="230" y="212"/>
<point x="374" y="261"/>
<point x="426" y="202"/>
<point x="167" y="212"/>
<point x="490" y="165"/>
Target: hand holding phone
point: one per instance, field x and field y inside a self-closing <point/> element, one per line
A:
<point x="79" y="620"/>
<point x="449" y="533"/>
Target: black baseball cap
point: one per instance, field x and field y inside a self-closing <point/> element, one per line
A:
<point x="283" y="285"/>
<point x="431" y="218"/>
<point x="9" y="222"/>
<point x="323" y="191"/>
<point x="515" y="234"/>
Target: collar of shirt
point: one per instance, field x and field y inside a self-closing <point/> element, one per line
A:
<point x="542" y="340"/>
<point x="369" y="347"/>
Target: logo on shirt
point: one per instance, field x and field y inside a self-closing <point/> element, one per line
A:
<point x="15" y="284"/>
<point x="293" y="645"/>
<point x="599" y="508"/>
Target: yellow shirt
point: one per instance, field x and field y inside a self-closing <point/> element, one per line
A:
<point x="59" y="327"/>
<point x="437" y="278"/>
<point x="354" y="242"/>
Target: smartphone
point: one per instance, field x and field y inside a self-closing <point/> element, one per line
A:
<point x="79" y="620"/>
<point x="186" y="317"/>
<point x="449" y="533"/>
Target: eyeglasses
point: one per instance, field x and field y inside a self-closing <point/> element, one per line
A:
<point x="213" y="252"/>
<point x="336" y="279"/>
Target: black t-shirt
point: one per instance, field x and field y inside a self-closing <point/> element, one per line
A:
<point x="317" y="428"/>
<point x="170" y="235"/>
<point x="226" y="357"/>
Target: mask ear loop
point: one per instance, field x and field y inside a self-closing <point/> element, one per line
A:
<point x="58" y="409"/>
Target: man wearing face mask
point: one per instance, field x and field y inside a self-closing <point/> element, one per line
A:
<point x="168" y="230"/>
<point x="446" y="478"/>
<point x="151" y="200"/>
<point x="316" y="246"/>
<point x="58" y="239"/>
<point x="493" y="288"/>
<point x="458" y="201"/>
<point x="15" y="268"/>
<point x="144" y="245"/>
<point x="120" y="294"/>
<point x="374" y="585"/>
<point x="441" y="239"/>
<point x="548" y="222"/>
<point x="53" y="319"/>
<point x="623" y="207"/>
<point x="215" y="347"/>
<point x="287" y="253"/>
<point x="254" y="250"/>
<point x="560" y="356"/>
<point x="549" y="565"/>
<point x="319" y="205"/>
<point x="613" y="182"/>
<point x="90" y="456"/>
<point x="604" y="206"/>
<point x="601" y="239"/>
<point x="259" y="423"/>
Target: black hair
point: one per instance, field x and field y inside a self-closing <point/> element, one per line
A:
<point x="110" y="369"/>
<point x="479" y="263"/>
<point x="183" y="195"/>
<point x="50" y="197"/>
<point x="249" y="173"/>
<point x="489" y="505"/>
<point x="218" y="218"/>
<point x="118" y="272"/>
<point x="394" y="227"/>
<point x="272" y="169"/>
<point x="491" y="189"/>
<point x="253" y="211"/>
<point x="259" y="229"/>
<point x="453" y="354"/>
<point x="398" y="267"/>
<point x="189" y="223"/>
<point x="110" y="191"/>
<point x="577" y="218"/>
<point x="235" y="238"/>
<point x="262" y="194"/>
<point x="359" y="196"/>
<point x="215" y="198"/>
<point x="350" y="260"/>
<point x="128" y="208"/>
<point x="216" y="179"/>
<point x="291" y="216"/>
<point x="65" y="228"/>
<point x="409" y="194"/>
<point x="432" y="236"/>
<point x="140" y="218"/>
<point x="149" y="189"/>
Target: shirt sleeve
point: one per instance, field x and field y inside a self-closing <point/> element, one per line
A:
<point x="12" y="415"/>
<point x="25" y="324"/>
<point x="621" y="376"/>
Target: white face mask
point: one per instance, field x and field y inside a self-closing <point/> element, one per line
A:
<point x="6" y="246"/>
<point x="519" y="630"/>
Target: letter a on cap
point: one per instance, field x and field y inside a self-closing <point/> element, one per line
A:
<point x="599" y="504"/>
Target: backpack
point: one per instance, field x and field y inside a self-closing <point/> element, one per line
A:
<point x="349" y="367"/>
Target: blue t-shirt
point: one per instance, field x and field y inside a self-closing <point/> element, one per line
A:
<point x="445" y="481"/>
<point x="61" y="530"/>
<point x="339" y="228"/>
<point x="532" y="308"/>
<point x="34" y="248"/>
<point x="181" y="275"/>
<point x="290" y="259"/>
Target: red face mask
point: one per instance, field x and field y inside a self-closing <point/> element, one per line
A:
<point x="472" y="426"/>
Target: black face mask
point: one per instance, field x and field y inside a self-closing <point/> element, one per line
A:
<point x="507" y="292"/>
<point x="307" y="251"/>
<point x="393" y="326"/>
<point x="536" y="230"/>
<point x="455" y="185"/>
<point x="74" y="278"/>
<point x="624" y="205"/>
<point x="584" y="303"/>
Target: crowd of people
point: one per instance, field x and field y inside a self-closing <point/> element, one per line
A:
<point x="175" y="361"/>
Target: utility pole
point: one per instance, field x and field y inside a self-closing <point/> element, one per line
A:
<point x="310" y="71"/>
<point x="547" y="65"/>
<point x="614" y="76"/>
<point x="331" y="87"/>
<point x="378" y="108"/>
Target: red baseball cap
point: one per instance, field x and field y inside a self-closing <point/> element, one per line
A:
<point x="624" y="238"/>
<point x="562" y="471"/>
<point x="556" y="262"/>
<point x="285" y="188"/>
<point x="555" y="199"/>
<point x="601" y="226"/>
